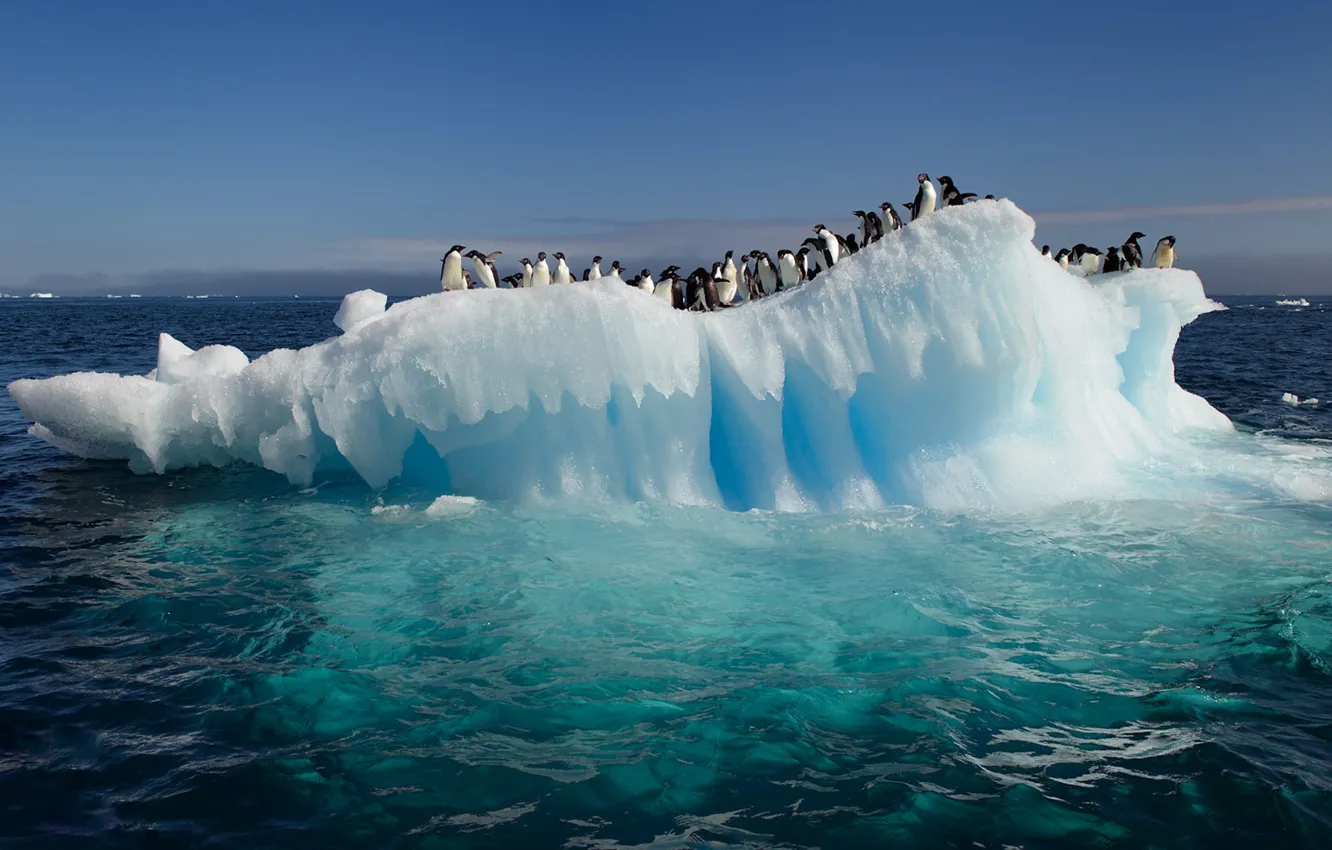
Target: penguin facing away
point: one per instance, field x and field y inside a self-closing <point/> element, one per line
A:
<point x="1112" y="262"/>
<point x="1132" y="251"/>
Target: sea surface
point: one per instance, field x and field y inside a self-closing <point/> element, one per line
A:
<point x="215" y="658"/>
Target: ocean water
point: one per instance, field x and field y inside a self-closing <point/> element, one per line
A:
<point x="214" y="657"/>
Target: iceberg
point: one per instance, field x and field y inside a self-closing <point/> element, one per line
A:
<point x="1293" y="302"/>
<point x="949" y="365"/>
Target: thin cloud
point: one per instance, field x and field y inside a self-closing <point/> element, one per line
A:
<point x="1258" y="206"/>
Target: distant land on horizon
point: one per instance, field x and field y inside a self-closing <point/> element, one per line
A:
<point x="1220" y="276"/>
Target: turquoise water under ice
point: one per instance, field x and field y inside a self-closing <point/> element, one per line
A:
<point x="216" y="656"/>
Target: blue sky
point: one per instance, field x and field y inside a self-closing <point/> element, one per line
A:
<point x="139" y="136"/>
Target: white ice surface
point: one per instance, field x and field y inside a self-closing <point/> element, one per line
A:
<point x="949" y="365"/>
<point x="359" y="307"/>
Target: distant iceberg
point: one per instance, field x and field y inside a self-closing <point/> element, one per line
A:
<point x="41" y="295"/>
<point x="949" y="365"/>
<point x="1292" y="302"/>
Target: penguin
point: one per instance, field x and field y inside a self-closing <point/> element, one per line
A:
<point x="730" y="280"/>
<point x="666" y="283"/>
<point x="594" y="273"/>
<point x="645" y="282"/>
<point x="910" y="207"/>
<point x="514" y="281"/>
<point x="926" y="197"/>
<point x="467" y="279"/>
<point x="832" y="245"/>
<point x="562" y="273"/>
<point x="484" y="267"/>
<point x="990" y="198"/>
<point x="875" y="225"/>
<point x="1045" y="252"/>
<point x="1090" y="260"/>
<point x="1132" y="251"/>
<point x="765" y="272"/>
<point x="451" y="270"/>
<point x="890" y="218"/>
<point x="952" y="198"/>
<point x="696" y="295"/>
<point x="788" y="269"/>
<point x="818" y="253"/>
<point x="541" y="271"/>
<point x="866" y="229"/>
<point x="729" y="270"/>
<point x="803" y="264"/>
<point x="1165" y="255"/>
<point x="616" y="272"/>
<point x="851" y="246"/>
<point x="1062" y="258"/>
<point x="1112" y="263"/>
<point x="527" y="273"/>
<point x="744" y="283"/>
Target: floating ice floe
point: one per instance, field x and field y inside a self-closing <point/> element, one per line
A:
<point x="949" y="365"/>
<point x="1292" y="399"/>
<point x="1292" y="302"/>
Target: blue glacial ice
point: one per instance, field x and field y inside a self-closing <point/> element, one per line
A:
<point x="949" y="366"/>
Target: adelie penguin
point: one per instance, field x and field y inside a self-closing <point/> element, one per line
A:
<point x="666" y="283"/>
<point x="832" y="246"/>
<point x="1062" y="258"/>
<point x="594" y="273"/>
<point x="890" y="216"/>
<point x="851" y="246"/>
<point x="541" y="271"/>
<point x="765" y="271"/>
<point x="926" y="197"/>
<point x="1045" y="252"/>
<point x="1111" y="260"/>
<point x="807" y="272"/>
<point x="730" y="280"/>
<point x="616" y="272"/>
<point x="867" y="230"/>
<point x="950" y="194"/>
<point x="483" y="267"/>
<point x="1132" y="251"/>
<point x="788" y="269"/>
<point x="1164" y="256"/>
<point x="562" y="273"/>
<point x="645" y="282"/>
<point x="451" y="271"/>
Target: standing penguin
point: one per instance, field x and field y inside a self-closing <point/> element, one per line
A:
<point x="1112" y="263"/>
<point x="484" y="267"/>
<point x="616" y="272"/>
<point x="1132" y="251"/>
<point x="851" y="246"/>
<point x="645" y="282"/>
<point x="1090" y="260"/>
<point x="867" y="234"/>
<point x="765" y="272"/>
<point x="1164" y="256"/>
<point x="1045" y="252"/>
<point x="541" y="271"/>
<point x="666" y="283"/>
<point x="451" y="271"/>
<point x="890" y="217"/>
<point x="926" y="197"/>
<point x="788" y="269"/>
<point x="729" y="280"/>
<point x="729" y="271"/>
<point x="1062" y="258"/>
<point x="831" y="244"/>
<point x="527" y="273"/>
<point x="562" y="273"/>
<point x="594" y="273"/>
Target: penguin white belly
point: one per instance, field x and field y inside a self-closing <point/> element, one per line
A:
<point x="1090" y="263"/>
<point x="830" y="243"/>
<point x="726" y="289"/>
<point x="452" y="279"/>
<point x="790" y="272"/>
<point x="1164" y="257"/>
<point x="646" y="284"/>
<point x="928" y="199"/>
<point x="541" y="276"/>
<point x="595" y="273"/>
<point x="662" y="290"/>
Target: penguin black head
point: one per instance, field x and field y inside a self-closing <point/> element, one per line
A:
<point x="990" y="198"/>
<point x="644" y="273"/>
<point x="946" y="180"/>
<point x="596" y="259"/>
<point x="1045" y="250"/>
<point x="1112" y="251"/>
<point x="457" y="249"/>
<point x="1137" y="235"/>
<point x="525" y="261"/>
<point x="922" y="177"/>
<point x="728" y="254"/>
<point x="559" y="255"/>
<point x="818" y="227"/>
<point x="541" y="256"/>
<point x="669" y="271"/>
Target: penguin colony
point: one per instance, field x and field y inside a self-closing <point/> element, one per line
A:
<point x="756" y="275"/>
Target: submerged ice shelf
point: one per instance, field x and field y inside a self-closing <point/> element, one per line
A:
<point x="949" y="366"/>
